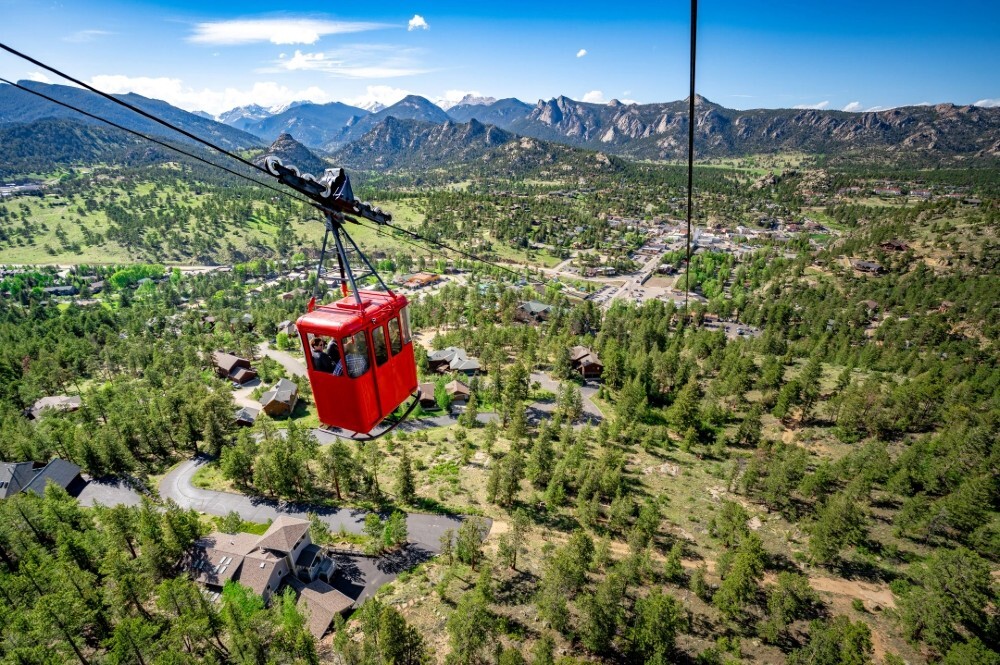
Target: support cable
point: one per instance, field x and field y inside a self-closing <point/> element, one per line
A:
<point x="690" y="173"/>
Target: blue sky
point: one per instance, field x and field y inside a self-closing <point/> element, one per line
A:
<point x="213" y="56"/>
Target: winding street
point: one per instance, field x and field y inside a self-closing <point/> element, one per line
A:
<point x="425" y="530"/>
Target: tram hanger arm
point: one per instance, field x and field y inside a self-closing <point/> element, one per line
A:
<point x="332" y="190"/>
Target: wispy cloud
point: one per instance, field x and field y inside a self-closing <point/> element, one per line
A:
<point x="355" y="61"/>
<point x="594" y="97"/>
<point x="853" y="107"/>
<point x="214" y="101"/>
<point x="582" y="52"/>
<point x="276" y="31"/>
<point x="85" y="36"/>
<point x="417" y="23"/>
<point x="876" y="108"/>
<point x="818" y="106"/>
<point x="39" y="77"/>
<point x="988" y="103"/>
<point x="742" y="96"/>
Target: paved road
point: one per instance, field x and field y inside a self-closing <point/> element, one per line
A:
<point x="108" y="492"/>
<point x="425" y="530"/>
<point x="591" y="414"/>
<point x="291" y="364"/>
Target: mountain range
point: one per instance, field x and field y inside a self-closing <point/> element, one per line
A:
<point x="416" y="132"/>
<point x="658" y="131"/>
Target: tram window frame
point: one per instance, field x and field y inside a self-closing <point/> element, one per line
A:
<point x="380" y="351"/>
<point x="360" y="341"/>
<point x="404" y="318"/>
<point x="395" y="343"/>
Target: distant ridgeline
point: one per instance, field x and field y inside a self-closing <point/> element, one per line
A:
<point x="416" y="133"/>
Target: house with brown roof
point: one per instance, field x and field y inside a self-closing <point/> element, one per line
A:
<point x="458" y="392"/>
<point x="425" y="393"/>
<point x="586" y="362"/>
<point x="285" y="554"/>
<point x="233" y="368"/>
<point x="420" y="280"/>
<point x="320" y="603"/>
<point x="894" y="246"/>
<point x="280" y="400"/>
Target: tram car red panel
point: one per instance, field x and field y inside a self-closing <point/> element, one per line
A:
<point x="359" y="358"/>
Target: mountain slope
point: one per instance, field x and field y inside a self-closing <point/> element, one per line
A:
<point x="312" y="124"/>
<point x="454" y="151"/>
<point x="37" y="147"/>
<point x="17" y="106"/>
<point x="412" y="107"/>
<point x="395" y="144"/>
<point x="501" y="113"/>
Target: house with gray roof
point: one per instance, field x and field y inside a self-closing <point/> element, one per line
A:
<point x="281" y="399"/>
<point x="14" y="476"/>
<point x="246" y="416"/>
<point x="56" y="403"/>
<point x="25" y="477"/>
<point x="453" y="359"/>
<point x="532" y="311"/>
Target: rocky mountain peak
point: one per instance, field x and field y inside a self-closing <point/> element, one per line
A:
<point x="291" y="152"/>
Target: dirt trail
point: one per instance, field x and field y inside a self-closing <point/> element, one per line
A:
<point x="872" y="594"/>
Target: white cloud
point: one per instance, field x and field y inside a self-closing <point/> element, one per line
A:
<point x="988" y="103"/>
<point x="85" y="36"/>
<point x="628" y="102"/>
<point x="39" y="77"/>
<point x="417" y="23"/>
<point x="363" y="61"/>
<point x="173" y="91"/>
<point x="594" y="97"/>
<point x="876" y="108"/>
<point x="582" y="52"/>
<point x="378" y="94"/>
<point x="853" y="107"/>
<point x="276" y="31"/>
<point x="819" y="106"/>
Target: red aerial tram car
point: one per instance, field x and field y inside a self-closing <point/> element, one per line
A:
<point x="359" y="351"/>
<point x="358" y="395"/>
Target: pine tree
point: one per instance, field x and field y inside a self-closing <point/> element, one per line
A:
<point x="405" y="486"/>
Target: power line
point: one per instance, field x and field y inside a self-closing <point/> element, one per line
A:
<point x="690" y="174"/>
<point x="154" y="140"/>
